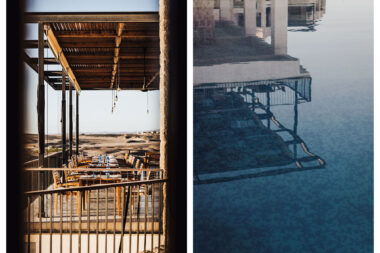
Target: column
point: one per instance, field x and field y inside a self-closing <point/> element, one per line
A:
<point x="71" y="120"/>
<point x="41" y="97"/>
<point x="77" y="124"/>
<point x="279" y="20"/>
<point x="226" y="10"/>
<point x="41" y="112"/>
<point x="250" y="17"/>
<point x="263" y="13"/>
<point x="63" y="118"/>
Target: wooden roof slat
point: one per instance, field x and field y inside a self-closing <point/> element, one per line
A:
<point x="107" y="34"/>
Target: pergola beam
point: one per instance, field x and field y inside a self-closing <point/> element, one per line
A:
<point x="57" y="50"/>
<point x="47" y="61"/>
<point x="34" y="44"/>
<point x="30" y="63"/>
<point x="118" y="17"/>
<point x="105" y="35"/>
<point x="117" y="51"/>
<point x="149" y="43"/>
<point x="112" y="58"/>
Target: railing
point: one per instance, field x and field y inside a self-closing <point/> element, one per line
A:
<point x="42" y="179"/>
<point x="118" y="217"/>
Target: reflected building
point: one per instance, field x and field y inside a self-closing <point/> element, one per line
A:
<point x="239" y="76"/>
<point x="254" y="16"/>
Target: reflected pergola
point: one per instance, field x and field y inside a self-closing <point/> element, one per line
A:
<point x="239" y="78"/>
<point x="235" y="130"/>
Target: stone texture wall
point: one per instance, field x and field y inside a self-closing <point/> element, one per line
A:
<point x="203" y="21"/>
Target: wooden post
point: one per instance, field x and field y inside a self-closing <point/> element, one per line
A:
<point x="77" y="123"/>
<point x="63" y="118"/>
<point x="41" y="110"/>
<point x="164" y="105"/>
<point x="173" y="122"/>
<point x="41" y="97"/>
<point x="295" y="117"/>
<point x="71" y="120"/>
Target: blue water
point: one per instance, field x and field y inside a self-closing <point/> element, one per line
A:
<point x="321" y="210"/>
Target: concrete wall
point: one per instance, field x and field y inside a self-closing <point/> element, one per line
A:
<point x="246" y="72"/>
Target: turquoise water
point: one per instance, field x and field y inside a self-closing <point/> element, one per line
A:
<point x="323" y="209"/>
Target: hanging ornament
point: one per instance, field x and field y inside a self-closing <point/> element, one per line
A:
<point x="118" y="77"/>
<point x="147" y="103"/>
<point x="144" y="89"/>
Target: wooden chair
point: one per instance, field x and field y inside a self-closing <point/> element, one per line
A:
<point x="80" y="163"/>
<point x="71" y="174"/>
<point x="151" y="156"/>
<point x="59" y="184"/>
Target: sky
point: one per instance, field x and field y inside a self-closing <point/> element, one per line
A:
<point x="95" y="114"/>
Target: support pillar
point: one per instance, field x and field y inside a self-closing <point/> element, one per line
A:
<point x="250" y="17"/>
<point x="63" y="118"/>
<point x="41" y="112"/>
<point x="226" y="10"/>
<point x="323" y="6"/>
<point x="77" y="124"/>
<point x="173" y="122"/>
<point x="41" y="97"/>
<point x="70" y="120"/>
<point x="295" y="126"/>
<point x="263" y="14"/>
<point x="279" y="21"/>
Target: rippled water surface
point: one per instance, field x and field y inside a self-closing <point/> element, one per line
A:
<point x="254" y="191"/>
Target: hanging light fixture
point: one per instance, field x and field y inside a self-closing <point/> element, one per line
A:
<point x="118" y="74"/>
<point x="112" y="100"/>
<point x="144" y="89"/>
<point x="117" y="83"/>
<point x="147" y="104"/>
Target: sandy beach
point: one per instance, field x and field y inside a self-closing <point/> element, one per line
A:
<point x="94" y="144"/>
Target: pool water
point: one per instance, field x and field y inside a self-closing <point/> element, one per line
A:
<point x="326" y="208"/>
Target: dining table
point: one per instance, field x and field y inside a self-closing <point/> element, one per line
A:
<point x="86" y="180"/>
<point x="102" y="161"/>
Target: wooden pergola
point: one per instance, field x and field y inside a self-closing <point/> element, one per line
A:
<point x="96" y="51"/>
<point x="171" y="20"/>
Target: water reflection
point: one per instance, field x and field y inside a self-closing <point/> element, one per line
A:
<point x="235" y="129"/>
<point x="269" y="103"/>
<point x="241" y="71"/>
